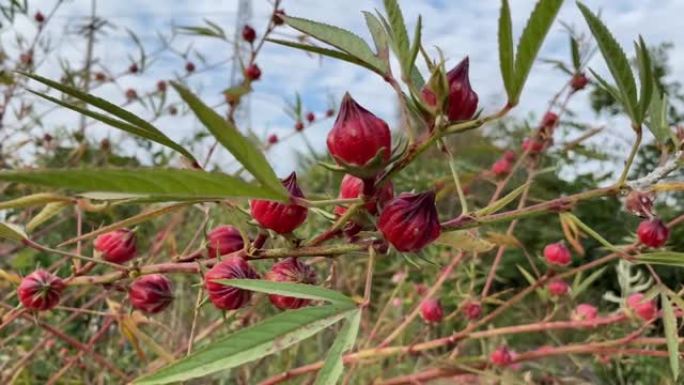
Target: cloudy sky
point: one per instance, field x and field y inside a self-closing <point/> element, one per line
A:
<point x="457" y="27"/>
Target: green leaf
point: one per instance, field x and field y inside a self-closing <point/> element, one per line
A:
<point x="575" y="53"/>
<point x="580" y="288"/>
<point x="671" y="336"/>
<point x="227" y="134"/>
<point x="297" y="290"/>
<point x="669" y="258"/>
<point x="323" y="51"/>
<point x="397" y="29"/>
<point x="249" y="344"/>
<point x="409" y="65"/>
<point x="506" y="58"/>
<point x="333" y="365"/>
<point x="467" y="240"/>
<point x="113" y="109"/>
<point x="532" y="281"/>
<point x="645" y="78"/>
<point x="614" y="92"/>
<point x="340" y="39"/>
<point x="33" y="200"/>
<point x="615" y="59"/>
<point x="49" y="211"/>
<point x="12" y="232"/>
<point x="501" y="203"/>
<point x="592" y="233"/>
<point x="658" y="123"/>
<point x="170" y="183"/>
<point x="531" y="41"/>
<point x="379" y="35"/>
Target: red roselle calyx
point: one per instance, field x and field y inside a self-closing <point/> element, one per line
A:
<point x="653" y="233"/>
<point x="277" y="17"/>
<point x="558" y="288"/>
<point x="502" y="167"/>
<point x="252" y="72"/>
<point x="557" y="254"/>
<point x="461" y="102"/>
<point x="410" y="222"/>
<point x="151" y="293"/>
<point x="117" y="246"/>
<point x="280" y="217"/>
<point x="40" y="290"/>
<point x="224" y="240"/>
<point x="248" y="34"/>
<point x="579" y="81"/>
<point x="133" y="68"/>
<point x="501" y="356"/>
<point x="290" y="270"/>
<point x="549" y="120"/>
<point x="358" y="137"/>
<point x="472" y="310"/>
<point x="644" y="309"/>
<point x="431" y="311"/>
<point x="227" y="297"/>
<point x="352" y="187"/>
<point x="585" y="312"/>
<point x="310" y="117"/>
<point x="190" y="66"/>
<point x="533" y="145"/>
<point x="273" y="139"/>
<point x="39" y="17"/>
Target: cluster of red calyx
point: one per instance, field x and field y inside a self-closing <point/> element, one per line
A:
<point x="282" y="218"/>
<point x="461" y="99"/>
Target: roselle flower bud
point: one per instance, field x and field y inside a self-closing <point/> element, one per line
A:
<point x="151" y="293"/>
<point x="501" y="356"/>
<point x="39" y="17"/>
<point x="26" y="58"/>
<point x="532" y="145"/>
<point x="273" y="139"/>
<point x="358" y="136"/>
<point x="116" y="246"/>
<point x="227" y="297"/>
<point x="585" y="312"/>
<point x="190" y="66"/>
<point x="410" y="222"/>
<point x="352" y="187"/>
<point x="640" y="203"/>
<point x="502" y="167"/>
<point x="644" y="309"/>
<point x="431" y="311"/>
<point x="248" y="34"/>
<point x="557" y="254"/>
<point x="100" y="76"/>
<point x="549" y="120"/>
<point x="224" y="240"/>
<point x="299" y="126"/>
<point x="461" y="101"/>
<point x="277" y="17"/>
<point x="133" y="68"/>
<point x="329" y="112"/>
<point x="290" y="270"/>
<point x="310" y="117"/>
<point x="173" y="110"/>
<point x="558" y="288"/>
<point x="161" y="86"/>
<point x="131" y="94"/>
<point x="509" y="156"/>
<point x="653" y="233"/>
<point x="282" y="218"/>
<point x="40" y="290"/>
<point x="579" y="81"/>
<point x="472" y="310"/>
<point x="253" y="72"/>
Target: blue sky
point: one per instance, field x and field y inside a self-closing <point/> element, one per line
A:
<point x="459" y="28"/>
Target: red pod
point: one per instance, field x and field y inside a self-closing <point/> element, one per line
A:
<point x="579" y="81"/>
<point x="329" y="112"/>
<point x="273" y="139"/>
<point x="39" y="17"/>
<point x="585" y="312"/>
<point x="509" y="156"/>
<point x="131" y="94"/>
<point x="357" y="135"/>
<point x="227" y="297"/>
<point x="653" y="233"/>
<point x="253" y="72"/>
<point x="299" y="126"/>
<point x="161" y="86"/>
<point x="290" y="270"/>
<point x="646" y="310"/>
<point x="410" y="222"/>
<point x="224" y="240"/>
<point x="282" y="218"/>
<point x="190" y="66"/>
<point x="558" y="288"/>
<point x="151" y="293"/>
<point x="248" y="34"/>
<point x="557" y="254"/>
<point x="462" y="99"/>
<point x="117" y="246"/>
<point x="532" y="145"/>
<point x="549" y="120"/>
<point x="502" y="167"/>
<point x="501" y="356"/>
<point x="472" y="310"/>
<point x="352" y="187"/>
<point x="40" y="290"/>
<point x="310" y="117"/>
<point x="431" y="311"/>
<point x="133" y="68"/>
<point x="277" y="17"/>
<point x="640" y="203"/>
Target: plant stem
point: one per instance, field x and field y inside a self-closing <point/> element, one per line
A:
<point x="632" y="155"/>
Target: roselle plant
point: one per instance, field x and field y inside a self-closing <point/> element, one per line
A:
<point x="347" y="260"/>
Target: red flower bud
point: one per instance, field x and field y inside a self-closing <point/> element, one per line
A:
<point x="100" y="76"/>
<point x="224" y="240"/>
<point x="550" y="120"/>
<point x="472" y="310"/>
<point x="133" y="68"/>
<point x="653" y="233"/>
<point x="253" y="72"/>
<point x="248" y="33"/>
<point x="532" y="145"/>
<point x="273" y="139"/>
<point x="501" y="356"/>
<point x="461" y="100"/>
<point x="352" y="187"/>
<point x="151" y="293"/>
<point x="510" y="156"/>
<point x="190" y="66"/>
<point x="357" y="135"/>
<point x="161" y="86"/>
<point x="40" y="290"/>
<point x="39" y="17"/>
<point x="290" y="270"/>
<point x="579" y="81"/>
<point x="299" y="126"/>
<point x="280" y="217"/>
<point x="277" y="17"/>
<point x="557" y="254"/>
<point x="409" y="222"/>
<point x="310" y="117"/>
<point x="131" y="94"/>
<point x="173" y="110"/>
<point x="117" y="246"/>
<point x="502" y="167"/>
<point x="431" y="311"/>
<point x="646" y="310"/>
<point x="558" y="288"/>
<point x="330" y="112"/>
<point x="640" y="203"/>
<point x="585" y="312"/>
<point x="26" y="58"/>
<point x="227" y="297"/>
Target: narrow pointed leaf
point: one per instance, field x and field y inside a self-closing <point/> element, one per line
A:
<point x="669" y="258"/>
<point x="297" y="290"/>
<point x="614" y="92"/>
<point x="333" y="366"/>
<point x="335" y="54"/>
<point x="506" y="58"/>
<point x="671" y="335"/>
<point x="658" y="121"/>
<point x="645" y="79"/>
<point x="397" y="29"/>
<point x="501" y="203"/>
<point x="575" y="53"/>
<point x="33" y="200"/>
<point x="379" y="35"/>
<point x="47" y="213"/>
<point x="12" y="232"/>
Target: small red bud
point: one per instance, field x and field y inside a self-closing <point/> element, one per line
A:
<point x="462" y="100"/>
<point x="550" y="120"/>
<point x="190" y="66"/>
<point x="472" y="310"/>
<point x="501" y="356"/>
<point x="273" y="139"/>
<point x="248" y="34"/>
<point x="26" y="58"/>
<point x="131" y="94"/>
<point x="224" y="240"/>
<point x="431" y="311"/>
<point x="277" y="17"/>
<point x="161" y="86"/>
<point x="151" y="293"/>
<point x="558" y="288"/>
<point x="290" y="270"/>
<point x="40" y="290"/>
<point x="117" y="246"/>
<point x="640" y="203"/>
<point x="173" y="110"/>
<point x="329" y="113"/>
<point x="585" y="312"/>
<point x="410" y="222"/>
<point x="532" y="145"/>
<point x="653" y="233"/>
<point x="557" y="254"/>
<point x="100" y="77"/>
<point x="501" y="167"/>
<point x="39" y="17"/>
<point x="299" y="126"/>
<point x="280" y="217"/>
<point x="310" y="117"/>
<point x="357" y="135"/>
<point x="253" y="72"/>
<point x="509" y="156"/>
<point x="579" y="81"/>
<point x="352" y="187"/>
<point x="646" y="310"/>
<point x="227" y="297"/>
<point x="133" y="68"/>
